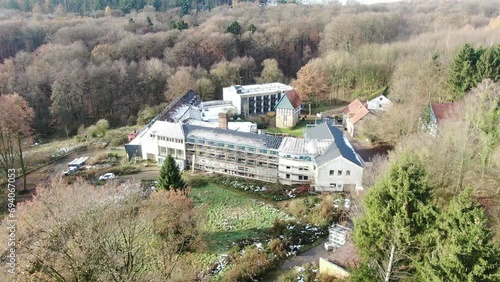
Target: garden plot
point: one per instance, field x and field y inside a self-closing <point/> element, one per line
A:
<point x="229" y="217"/>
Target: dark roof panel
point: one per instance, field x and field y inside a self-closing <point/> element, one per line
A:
<point x="232" y="136"/>
<point x="171" y="112"/>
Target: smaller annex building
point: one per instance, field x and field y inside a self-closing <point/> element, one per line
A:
<point x="288" y="110"/>
<point x="352" y="116"/>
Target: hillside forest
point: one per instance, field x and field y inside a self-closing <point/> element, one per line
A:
<point x="75" y="70"/>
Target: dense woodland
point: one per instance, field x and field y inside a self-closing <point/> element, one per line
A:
<point x="77" y="62"/>
<point x="76" y="70"/>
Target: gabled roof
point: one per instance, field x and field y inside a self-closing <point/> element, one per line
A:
<point x="161" y="128"/>
<point x="290" y="100"/>
<point x="355" y="111"/>
<point x="341" y="147"/>
<point x="180" y="106"/>
<point x="319" y="132"/>
<point x="377" y="98"/>
<point x="447" y="111"/>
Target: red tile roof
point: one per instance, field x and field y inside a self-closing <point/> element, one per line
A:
<point x="447" y="111"/>
<point x="355" y="111"/>
<point x="294" y="99"/>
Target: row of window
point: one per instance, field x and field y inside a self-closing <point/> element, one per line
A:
<point x="339" y="172"/>
<point x="335" y="185"/>
<point x="168" y="139"/>
<point x="305" y="158"/>
<point x="231" y="146"/>
<point x="301" y="177"/>
<point x="163" y="151"/>
<point x="300" y="168"/>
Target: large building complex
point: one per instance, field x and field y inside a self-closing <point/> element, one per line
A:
<point x="323" y="158"/>
<point x="255" y="99"/>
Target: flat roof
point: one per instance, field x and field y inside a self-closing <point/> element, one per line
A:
<point x="260" y="88"/>
<point x="241" y="126"/>
<point x="215" y="103"/>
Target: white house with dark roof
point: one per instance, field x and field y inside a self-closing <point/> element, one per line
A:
<point x="340" y="167"/>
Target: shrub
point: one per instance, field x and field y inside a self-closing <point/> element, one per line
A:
<point x="124" y="170"/>
<point x="119" y="140"/>
<point x="102" y="126"/>
<point x="197" y="181"/>
<point x="249" y="265"/>
<point x="92" y="131"/>
<point x="277" y="247"/>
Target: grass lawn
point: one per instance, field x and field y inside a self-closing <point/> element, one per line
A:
<point x="296" y="131"/>
<point x="230" y="216"/>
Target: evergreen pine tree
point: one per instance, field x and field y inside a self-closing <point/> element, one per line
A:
<point x="462" y="251"/>
<point x="170" y="176"/>
<point x="463" y="71"/>
<point x="488" y="65"/>
<point x="398" y="212"/>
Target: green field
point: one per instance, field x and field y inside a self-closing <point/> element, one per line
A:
<point x="229" y="217"/>
<point x="296" y="131"/>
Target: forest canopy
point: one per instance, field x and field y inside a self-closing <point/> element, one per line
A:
<point x="79" y="62"/>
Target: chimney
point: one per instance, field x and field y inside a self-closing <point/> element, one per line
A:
<point x="223" y="120"/>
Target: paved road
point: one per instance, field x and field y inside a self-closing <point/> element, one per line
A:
<point x="310" y="256"/>
<point x="143" y="175"/>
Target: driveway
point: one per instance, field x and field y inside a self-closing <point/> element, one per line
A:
<point x="309" y="256"/>
<point x="143" y="175"/>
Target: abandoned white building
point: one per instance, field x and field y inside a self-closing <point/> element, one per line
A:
<point x="323" y="158"/>
<point x="255" y="99"/>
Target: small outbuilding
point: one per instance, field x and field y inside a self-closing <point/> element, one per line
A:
<point x="288" y="110"/>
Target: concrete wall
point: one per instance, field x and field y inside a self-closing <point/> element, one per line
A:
<point x="331" y="269"/>
<point x="323" y="179"/>
<point x="152" y="146"/>
<point x="287" y="118"/>
<point x="295" y="168"/>
<point x="230" y="94"/>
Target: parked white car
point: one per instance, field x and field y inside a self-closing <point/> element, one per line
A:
<point x="107" y="176"/>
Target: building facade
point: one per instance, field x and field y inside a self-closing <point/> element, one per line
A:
<point x="158" y="141"/>
<point x="255" y="99"/>
<point x="241" y="154"/>
<point x="288" y="110"/>
<point x="379" y="103"/>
